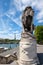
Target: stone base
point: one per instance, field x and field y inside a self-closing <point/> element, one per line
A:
<point x="27" y="63"/>
<point x="28" y="50"/>
<point x="34" y="62"/>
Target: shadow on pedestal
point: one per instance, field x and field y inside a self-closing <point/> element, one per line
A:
<point x="40" y="56"/>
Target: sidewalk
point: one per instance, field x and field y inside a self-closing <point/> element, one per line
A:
<point x="40" y="53"/>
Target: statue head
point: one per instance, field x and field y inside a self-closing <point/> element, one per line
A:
<point x="27" y="18"/>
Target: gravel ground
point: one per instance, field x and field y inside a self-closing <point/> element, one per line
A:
<point x="40" y="53"/>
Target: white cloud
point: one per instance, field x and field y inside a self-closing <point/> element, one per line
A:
<point x="37" y="4"/>
<point x="25" y="2"/>
<point x="11" y="12"/>
<point x="18" y="36"/>
<point x="40" y="21"/>
<point x="2" y="15"/>
<point x="7" y="31"/>
<point x="8" y="36"/>
<point x="17" y="20"/>
<point x="20" y="5"/>
<point x="5" y="34"/>
<point x="40" y="15"/>
<point x="3" y="24"/>
<point x="15" y="32"/>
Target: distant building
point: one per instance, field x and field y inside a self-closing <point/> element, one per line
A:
<point x="14" y="36"/>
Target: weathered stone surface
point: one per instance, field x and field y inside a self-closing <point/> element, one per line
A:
<point x="27" y="18"/>
<point x="28" y="49"/>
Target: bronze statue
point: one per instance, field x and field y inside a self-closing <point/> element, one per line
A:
<point x="27" y="18"/>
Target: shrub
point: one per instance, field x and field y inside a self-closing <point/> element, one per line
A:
<point x="39" y="34"/>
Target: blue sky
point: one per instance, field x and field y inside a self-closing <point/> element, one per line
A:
<point x="10" y="16"/>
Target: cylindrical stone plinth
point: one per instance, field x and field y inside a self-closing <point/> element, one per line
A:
<point x="28" y="50"/>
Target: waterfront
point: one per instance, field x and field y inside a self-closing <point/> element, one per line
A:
<point x="12" y="45"/>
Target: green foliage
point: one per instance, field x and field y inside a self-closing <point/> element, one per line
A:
<point x="9" y="41"/>
<point x="39" y="33"/>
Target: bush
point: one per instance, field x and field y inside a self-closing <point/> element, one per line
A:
<point x="39" y="34"/>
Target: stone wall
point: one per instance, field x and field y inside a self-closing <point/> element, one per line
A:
<point x="7" y="59"/>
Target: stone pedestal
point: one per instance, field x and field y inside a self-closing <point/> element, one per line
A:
<point x="28" y="50"/>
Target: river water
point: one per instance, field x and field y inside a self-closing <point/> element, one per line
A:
<point x="9" y="45"/>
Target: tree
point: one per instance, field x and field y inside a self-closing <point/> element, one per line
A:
<point x="39" y="34"/>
